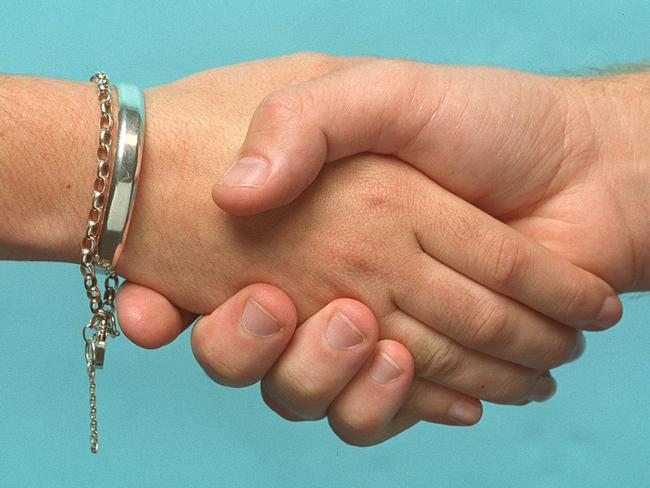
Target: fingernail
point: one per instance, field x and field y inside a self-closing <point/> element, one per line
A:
<point x="383" y="369"/>
<point x="341" y="332"/>
<point x="609" y="314"/>
<point x="581" y="343"/>
<point x="465" y="412"/>
<point x="249" y="171"/>
<point x="257" y="321"/>
<point x="543" y="390"/>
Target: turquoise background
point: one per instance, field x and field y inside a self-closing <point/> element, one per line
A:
<point x="163" y="422"/>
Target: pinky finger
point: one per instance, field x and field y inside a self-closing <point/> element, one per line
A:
<point x="434" y="403"/>
<point x="371" y="410"/>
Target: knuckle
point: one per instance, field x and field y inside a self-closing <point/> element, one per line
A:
<point x="363" y="255"/>
<point x="383" y="193"/>
<point x="506" y="261"/>
<point x="316" y="64"/>
<point x="440" y="361"/>
<point x="226" y="371"/>
<point x="377" y="194"/>
<point x="356" y="258"/>
<point x="488" y="325"/>
<point x="557" y="346"/>
<point x="357" y="428"/>
<point x="560" y="351"/>
<point x="577" y="300"/>
<point x="218" y="367"/>
<point x="282" y="104"/>
<point x="302" y="396"/>
<point x="285" y="104"/>
<point x="278" y="408"/>
<point x="373" y="256"/>
<point x="512" y="390"/>
<point x="394" y="67"/>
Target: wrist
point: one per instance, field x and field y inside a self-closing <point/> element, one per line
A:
<point x="619" y="111"/>
<point x="181" y="156"/>
<point x="47" y="155"/>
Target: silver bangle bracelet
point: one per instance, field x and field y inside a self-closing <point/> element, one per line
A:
<point x="124" y="179"/>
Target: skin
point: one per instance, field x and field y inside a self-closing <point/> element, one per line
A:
<point x="577" y="180"/>
<point x="371" y="243"/>
<point x="44" y="213"/>
<point x="296" y="409"/>
<point x="560" y="159"/>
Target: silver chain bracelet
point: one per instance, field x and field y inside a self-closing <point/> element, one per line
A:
<point x="113" y="197"/>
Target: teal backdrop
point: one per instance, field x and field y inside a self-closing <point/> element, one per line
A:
<point x="163" y="423"/>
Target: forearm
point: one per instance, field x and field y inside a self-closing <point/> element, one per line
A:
<point x="48" y="132"/>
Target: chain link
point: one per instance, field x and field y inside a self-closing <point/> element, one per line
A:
<point x="94" y="441"/>
<point x="102" y="306"/>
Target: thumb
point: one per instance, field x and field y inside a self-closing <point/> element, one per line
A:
<point x="236" y="344"/>
<point x="148" y="318"/>
<point x="446" y="121"/>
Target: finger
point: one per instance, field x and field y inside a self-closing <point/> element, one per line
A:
<point x="278" y="408"/>
<point x="434" y="403"/>
<point x="426" y="401"/>
<point x="358" y="415"/>
<point x="147" y="318"/>
<point x="325" y="353"/>
<point x="363" y="412"/>
<point x="381" y="401"/>
<point x="495" y="255"/>
<point x="377" y="406"/>
<point x="440" y="360"/>
<point x="482" y="320"/>
<point x="239" y="342"/>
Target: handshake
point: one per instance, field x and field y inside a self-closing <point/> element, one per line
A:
<point x="393" y="241"/>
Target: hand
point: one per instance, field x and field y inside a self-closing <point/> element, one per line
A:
<point x="364" y="246"/>
<point x="179" y="116"/>
<point x="364" y="389"/>
<point x="561" y="160"/>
